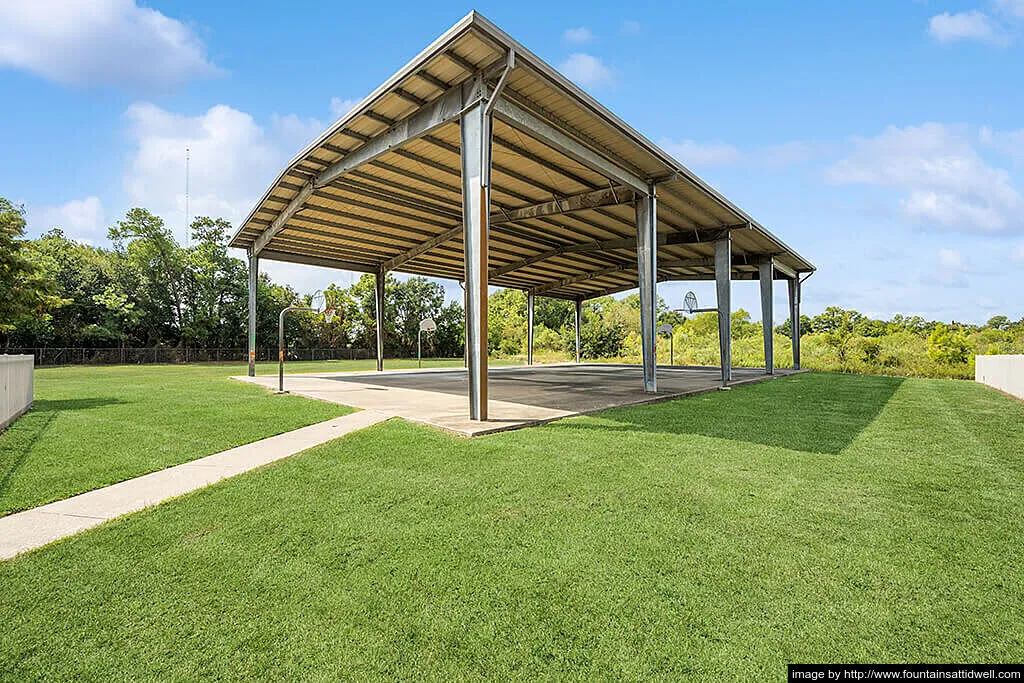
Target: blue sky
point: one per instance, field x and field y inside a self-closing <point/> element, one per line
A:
<point x="883" y="140"/>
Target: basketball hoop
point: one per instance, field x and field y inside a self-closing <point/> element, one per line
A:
<point x="690" y="305"/>
<point x="690" y="302"/>
<point x="318" y="302"/>
<point x="318" y="306"/>
<point x="426" y="325"/>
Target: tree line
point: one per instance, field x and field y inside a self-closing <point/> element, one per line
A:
<point x="148" y="290"/>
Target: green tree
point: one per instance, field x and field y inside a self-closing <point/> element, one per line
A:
<point x="151" y="266"/>
<point x="214" y="288"/>
<point x="26" y="291"/>
<point x="406" y="303"/>
<point x="506" y="322"/>
<point x="998" y="322"/>
<point x="948" y="345"/>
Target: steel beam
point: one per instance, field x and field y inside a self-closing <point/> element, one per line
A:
<point x="446" y="108"/>
<point x="647" y="276"/>
<point x="785" y="271"/>
<point x="475" y="132"/>
<point x="322" y="262"/>
<point x="578" y="202"/>
<point x="576" y="279"/>
<point x="526" y="121"/>
<point x="767" y="314"/>
<point x="422" y="248"/>
<point x="278" y="223"/>
<point x="723" y="280"/>
<point x="253" y="285"/>
<point x="579" y="329"/>
<point x="430" y="116"/>
<point x="794" y="319"/>
<point x="605" y="245"/>
<point x="529" y="328"/>
<point x="380" y="279"/>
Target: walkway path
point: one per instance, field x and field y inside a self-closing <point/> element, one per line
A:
<point x="33" y="528"/>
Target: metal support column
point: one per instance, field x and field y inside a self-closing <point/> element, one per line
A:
<point x="379" y="281"/>
<point x="529" y="328"/>
<point x="794" y="319"/>
<point x="254" y="264"/>
<point x="647" y="271"/>
<point x="579" y="330"/>
<point x="723" y="281"/>
<point x="475" y="131"/>
<point x="766" y="270"/>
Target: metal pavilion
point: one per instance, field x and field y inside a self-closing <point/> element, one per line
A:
<point x="479" y="162"/>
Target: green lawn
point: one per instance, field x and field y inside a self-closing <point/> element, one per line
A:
<point x="93" y="426"/>
<point x="812" y="518"/>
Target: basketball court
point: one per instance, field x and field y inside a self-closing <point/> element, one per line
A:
<point x="519" y="396"/>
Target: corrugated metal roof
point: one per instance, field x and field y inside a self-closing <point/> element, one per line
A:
<point x="558" y="226"/>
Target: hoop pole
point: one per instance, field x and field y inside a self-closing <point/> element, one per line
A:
<point x="419" y="349"/>
<point x="280" y="345"/>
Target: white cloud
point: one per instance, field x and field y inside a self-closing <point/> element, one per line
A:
<point x="578" y="35"/>
<point x="630" y="28"/>
<point x="586" y="70"/>
<point x="1009" y="142"/>
<point x="702" y="154"/>
<point x="952" y="259"/>
<point x="1012" y="7"/>
<point x="233" y="159"/>
<point x="952" y="268"/>
<point x="80" y="219"/>
<point x="973" y="25"/>
<point x="295" y="132"/>
<point x="100" y="42"/>
<point x="948" y="185"/>
<point x="340" y="107"/>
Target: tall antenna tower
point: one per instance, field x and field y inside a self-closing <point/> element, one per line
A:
<point x="188" y="237"/>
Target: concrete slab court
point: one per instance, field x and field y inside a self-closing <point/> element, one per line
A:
<point x="519" y="396"/>
<point x="24" y="531"/>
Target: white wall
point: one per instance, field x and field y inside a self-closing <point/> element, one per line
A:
<point x="16" y="382"/>
<point x="1005" y="373"/>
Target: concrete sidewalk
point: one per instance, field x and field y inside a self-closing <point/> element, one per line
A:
<point x="39" y="526"/>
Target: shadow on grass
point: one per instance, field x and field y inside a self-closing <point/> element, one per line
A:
<point x="30" y="427"/>
<point x="72" y="404"/>
<point x="813" y="412"/>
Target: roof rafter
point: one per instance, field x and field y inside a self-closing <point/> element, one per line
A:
<point x="449" y="106"/>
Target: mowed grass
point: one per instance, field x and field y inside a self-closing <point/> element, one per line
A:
<point x="811" y="518"/>
<point x="93" y="426"/>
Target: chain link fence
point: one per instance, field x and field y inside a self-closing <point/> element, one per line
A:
<point x="138" y="356"/>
